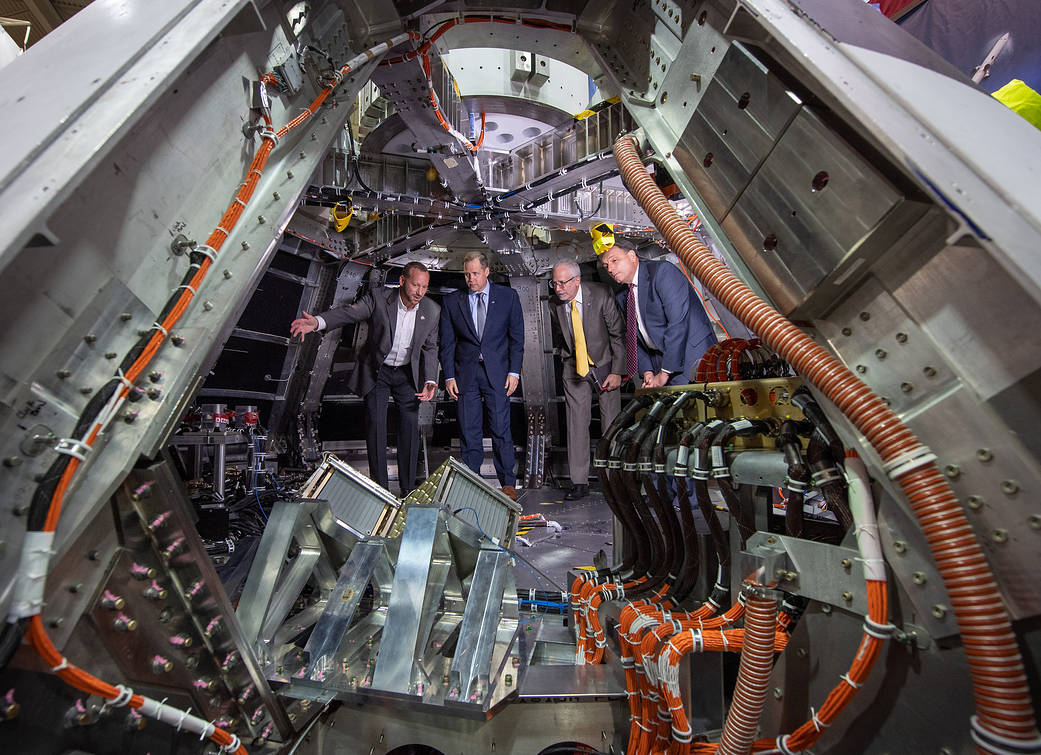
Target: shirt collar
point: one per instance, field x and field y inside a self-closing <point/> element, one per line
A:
<point x="578" y="294"/>
<point x="486" y="290"/>
<point x="402" y="308"/>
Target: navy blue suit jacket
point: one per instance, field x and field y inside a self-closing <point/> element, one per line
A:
<point x="674" y="319"/>
<point x="502" y="343"/>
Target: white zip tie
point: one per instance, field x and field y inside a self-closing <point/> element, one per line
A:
<point x="185" y="285"/>
<point x="817" y="723"/>
<point x="222" y="229"/>
<point x="73" y="447"/>
<point x="161" y="329"/>
<point x="917" y="457"/>
<point x="61" y="666"/>
<point x="123" y="698"/>
<point x="180" y="722"/>
<point x="236" y="199"/>
<point x="233" y="745"/>
<point x="269" y="133"/>
<point x="880" y="631"/>
<point x="850" y="682"/>
<point x="824" y="476"/>
<point x="996" y="743"/>
<point x="207" y="250"/>
<point x="208" y="730"/>
<point x="121" y="377"/>
<point x="726" y="643"/>
<point x="782" y="745"/>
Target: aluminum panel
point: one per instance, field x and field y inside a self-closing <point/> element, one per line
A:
<point x="742" y="113"/>
<point x="813" y="204"/>
<point x="355" y="500"/>
<point x="400" y="648"/>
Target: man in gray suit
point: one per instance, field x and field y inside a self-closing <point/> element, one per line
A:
<point x="594" y="360"/>
<point x="399" y="356"/>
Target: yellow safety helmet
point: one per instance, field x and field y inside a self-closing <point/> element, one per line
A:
<point x="341" y="215"/>
<point x="603" y="237"/>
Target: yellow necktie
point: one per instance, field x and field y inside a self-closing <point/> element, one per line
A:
<point x="582" y="360"/>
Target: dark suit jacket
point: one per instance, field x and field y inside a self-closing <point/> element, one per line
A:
<point x="379" y="308"/>
<point x="502" y="343"/>
<point x="603" y="326"/>
<point x="673" y="317"/>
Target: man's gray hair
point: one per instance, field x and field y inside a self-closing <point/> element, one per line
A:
<point x="571" y="266"/>
<point x="481" y="256"/>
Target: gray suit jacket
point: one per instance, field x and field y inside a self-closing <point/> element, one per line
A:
<point x="379" y="308"/>
<point x="603" y="327"/>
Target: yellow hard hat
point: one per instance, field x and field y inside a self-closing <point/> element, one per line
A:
<point x="341" y="215"/>
<point x="603" y="237"/>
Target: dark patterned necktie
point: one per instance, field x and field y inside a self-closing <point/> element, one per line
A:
<point x="630" y="333"/>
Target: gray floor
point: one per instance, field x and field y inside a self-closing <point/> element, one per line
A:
<point x="585" y="529"/>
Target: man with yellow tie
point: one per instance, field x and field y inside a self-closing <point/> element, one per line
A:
<point x="594" y="361"/>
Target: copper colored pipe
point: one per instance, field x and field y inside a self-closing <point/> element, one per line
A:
<point x="1003" y="703"/>
<point x="753" y="677"/>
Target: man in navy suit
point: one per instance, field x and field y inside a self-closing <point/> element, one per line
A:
<point x="482" y="346"/>
<point x="667" y="331"/>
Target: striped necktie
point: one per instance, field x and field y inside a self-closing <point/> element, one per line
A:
<point x="630" y="333"/>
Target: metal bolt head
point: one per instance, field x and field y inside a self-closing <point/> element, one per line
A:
<point x="825" y="609"/>
<point x="847" y="563"/>
<point x="999" y="536"/>
<point x="900" y="546"/>
<point x="865" y="316"/>
<point x="778" y="693"/>
<point x="227" y="274"/>
<point x="906" y="387"/>
<point x="918" y="578"/>
<point x="275" y="195"/>
<point x="207" y="305"/>
<point x="62" y="374"/>
<point x="847" y="596"/>
<point x="974" y="502"/>
<point x="929" y="372"/>
<point x="939" y="611"/>
<point x="302" y="155"/>
<point x="110" y="355"/>
<point x="289" y="174"/>
<point x="984" y="454"/>
<point x="1009" y="487"/>
<point x="245" y="245"/>
<point x="1035" y="521"/>
<point x="86" y="390"/>
<point x="771" y="540"/>
<point x="125" y="316"/>
<point x="13" y="461"/>
<point x="901" y="337"/>
<point x="861" y="369"/>
<point x="881" y="353"/>
<point x="90" y="338"/>
<point x="261" y="219"/>
<point x="847" y="332"/>
<point x="953" y="471"/>
<point x="177" y="340"/>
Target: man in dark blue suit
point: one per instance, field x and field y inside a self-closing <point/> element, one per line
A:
<point x="482" y="346"/>
<point x="667" y="331"/>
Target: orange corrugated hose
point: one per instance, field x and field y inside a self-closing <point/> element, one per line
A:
<point x="1003" y="701"/>
<point x="36" y="633"/>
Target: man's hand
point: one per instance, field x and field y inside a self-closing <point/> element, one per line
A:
<point x="452" y="389"/>
<point x="611" y="382"/>
<point x="303" y="325"/>
<point x="511" y="384"/>
<point x="427" y="393"/>
<point x="650" y="380"/>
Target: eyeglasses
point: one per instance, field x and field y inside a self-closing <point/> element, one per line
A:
<point x="561" y="284"/>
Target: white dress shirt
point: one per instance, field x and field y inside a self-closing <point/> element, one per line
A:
<point x="639" y="317"/>
<point x="405" y="326"/>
